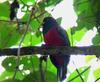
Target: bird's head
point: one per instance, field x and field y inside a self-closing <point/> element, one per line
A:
<point x="49" y="22"/>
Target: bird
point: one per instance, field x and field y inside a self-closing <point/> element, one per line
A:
<point x="55" y="35"/>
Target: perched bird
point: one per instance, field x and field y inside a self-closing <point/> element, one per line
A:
<point x="13" y="7"/>
<point x="54" y="35"/>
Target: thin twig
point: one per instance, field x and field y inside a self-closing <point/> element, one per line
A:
<point x="22" y="22"/>
<point x="97" y="79"/>
<point x="79" y="74"/>
<point x="40" y="14"/>
<point x="18" y="52"/>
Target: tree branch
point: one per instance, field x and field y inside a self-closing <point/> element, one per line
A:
<point x="45" y="50"/>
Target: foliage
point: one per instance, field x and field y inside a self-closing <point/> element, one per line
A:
<point x="97" y="74"/>
<point x="78" y="79"/>
<point x="88" y="13"/>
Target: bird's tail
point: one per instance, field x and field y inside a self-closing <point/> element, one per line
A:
<point x="61" y="73"/>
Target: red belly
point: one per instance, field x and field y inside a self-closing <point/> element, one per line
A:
<point x="52" y="38"/>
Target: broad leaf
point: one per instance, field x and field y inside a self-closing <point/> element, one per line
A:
<point x="6" y="74"/>
<point x="97" y="73"/>
<point x="49" y="3"/>
<point x="9" y="64"/>
<point x="9" y="35"/>
<point x="89" y="58"/>
<point x="4" y="10"/>
<point x="36" y="77"/>
<point x="29" y="63"/>
<point x="76" y="35"/>
<point x="31" y="39"/>
<point x="88" y="12"/>
<point x="27" y="2"/>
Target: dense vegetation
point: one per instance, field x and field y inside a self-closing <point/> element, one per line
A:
<point x="32" y="14"/>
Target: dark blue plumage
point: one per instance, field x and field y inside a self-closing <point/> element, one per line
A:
<point x="54" y="35"/>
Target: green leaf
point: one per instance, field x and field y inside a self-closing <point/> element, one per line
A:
<point x="86" y="16"/>
<point x="6" y="74"/>
<point x="31" y="39"/>
<point x="35" y="77"/>
<point x="26" y="17"/>
<point x="29" y="62"/>
<point x="20" y="75"/>
<point x="26" y="63"/>
<point x="89" y="58"/>
<point x="9" y="63"/>
<point x="4" y="11"/>
<point x="49" y="3"/>
<point x="78" y="35"/>
<point x="9" y="36"/>
<point x="10" y="79"/>
<point x="35" y="24"/>
<point x="28" y="2"/>
<point x="97" y="73"/>
<point x="51" y="67"/>
<point x="78" y="79"/>
<point x="96" y="39"/>
<point x="52" y="2"/>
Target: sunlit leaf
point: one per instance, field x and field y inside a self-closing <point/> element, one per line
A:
<point x="78" y="35"/>
<point x="97" y="73"/>
<point x="35" y="24"/>
<point x="5" y="75"/>
<point x="2" y="1"/>
<point x="31" y="39"/>
<point x="28" y="2"/>
<point x="20" y="75"/>
<point x="30" y="63"/>
<point x="89" y="58"/>
<point x="78" y="79"/>
<point x="8" y="76"/>
<point x="36" y="77"/>
<point x="50" y="66"/>
<point x="26" y="16"/>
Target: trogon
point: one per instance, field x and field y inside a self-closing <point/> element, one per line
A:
<point x="54" y="35"/>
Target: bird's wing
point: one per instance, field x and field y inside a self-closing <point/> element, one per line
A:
<point x="64" y="36"/>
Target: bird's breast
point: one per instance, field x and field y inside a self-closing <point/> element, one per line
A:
<point x="53" y="38"/>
